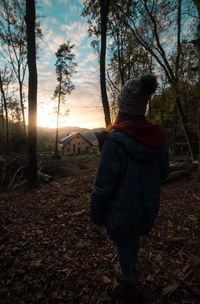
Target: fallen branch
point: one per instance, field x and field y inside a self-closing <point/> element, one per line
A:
<point x="44" y="177"/>
<point x="175" y="176"/>
<point x="13" y="179"/>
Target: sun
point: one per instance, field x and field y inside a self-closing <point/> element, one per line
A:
<point x="45" y="119"/>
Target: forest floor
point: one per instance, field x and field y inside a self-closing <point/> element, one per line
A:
<point x="50" y="252"/>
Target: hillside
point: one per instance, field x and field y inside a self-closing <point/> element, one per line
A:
<point x="88" y="133"/>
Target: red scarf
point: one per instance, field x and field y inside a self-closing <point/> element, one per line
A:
<point x="145" y="132"/>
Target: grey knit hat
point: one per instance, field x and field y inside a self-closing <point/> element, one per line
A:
<point x="135" y="95"/>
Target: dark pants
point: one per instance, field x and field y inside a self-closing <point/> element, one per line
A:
<point x="127" y="253"/>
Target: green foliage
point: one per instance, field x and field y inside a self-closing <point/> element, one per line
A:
<point x="45" y="142"/>
<point x="162" y="111"/>
<point x="16" y="142"/>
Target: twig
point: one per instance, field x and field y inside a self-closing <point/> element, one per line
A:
<point x="172" y="274"/>
<point x="12" y="181"/>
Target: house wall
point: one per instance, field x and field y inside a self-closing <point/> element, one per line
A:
<point x="77" y="145"/>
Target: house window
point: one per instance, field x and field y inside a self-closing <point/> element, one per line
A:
<point x="79" y="143"/>
<point x="83" y="143"/>
<point x="68" y="150"/>
<point x="69" y="144"/>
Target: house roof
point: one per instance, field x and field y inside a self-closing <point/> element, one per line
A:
<point x="69" y="137"/>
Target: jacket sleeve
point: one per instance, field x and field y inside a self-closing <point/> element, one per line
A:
<point x="164" y="161"/>
<point x="107" y="180"/>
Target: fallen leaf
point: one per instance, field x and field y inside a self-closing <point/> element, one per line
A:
<point x="169" y="290"/>
<point x="106" y="280"/>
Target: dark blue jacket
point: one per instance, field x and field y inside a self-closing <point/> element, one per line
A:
<point x="126" y="196"/>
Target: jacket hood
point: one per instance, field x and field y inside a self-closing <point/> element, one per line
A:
<point x="140" y="138"/>
<point x="145" y="132"/>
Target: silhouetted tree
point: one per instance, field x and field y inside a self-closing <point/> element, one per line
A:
<point x="99" y="10"/>
<point x="32" y="94"/>
<point x="65" y="68"/>
<point x="104" y="19"/>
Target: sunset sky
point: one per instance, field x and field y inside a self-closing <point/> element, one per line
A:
<point x="61" y="21"/>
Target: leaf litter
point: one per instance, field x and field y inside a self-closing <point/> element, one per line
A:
<point x="50" y="252"/>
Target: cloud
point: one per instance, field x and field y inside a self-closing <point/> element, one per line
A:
<point x="84" y="104"/>
<point x="47" y="2"/>
<point x="90" y="57"/>
<point x="53" y="20"/>
<point x="73" y="7"/>
<point x="69" y="1"/>
<point x="63" y="1"/>
<point x="51" y="41"/>
<point x="75" y="32"/>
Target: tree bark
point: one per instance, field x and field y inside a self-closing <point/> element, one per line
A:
<point x="22" y="108"/>
<point x="58" y="113"/>
<point x="174" y="131"/>
<point x="6" y="115"/>
<point x="104" y="14"/>
<point x="32" y="95"/>
<point x="2" y="113"/>
<point x="185" y="128"/>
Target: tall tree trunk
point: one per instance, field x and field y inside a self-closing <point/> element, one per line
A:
<point x="32" y="95"/>
<point x="185" y="128"/>
<point x="104" y="13"/>
<point x="58" y="113"/>
<point x="174" y="131"/>
<point x="22" y="108"/>
<point x="2" y="113"/>
<point x="6" y="115"/>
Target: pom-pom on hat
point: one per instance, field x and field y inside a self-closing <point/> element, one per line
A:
<point x="135" y="95"/>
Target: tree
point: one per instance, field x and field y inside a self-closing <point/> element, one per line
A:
<point x="104" y="16"/>
<point x="152" y="23"/>
<point x="32" y="94"/>
<point x="65" y="68"/>
<point x="98" y="26"/>
<point x="12" y="35"/>
<point x="158" y="28"/>
<point x="14" y="43"/>
<point x="127" y="59"/>
<point x="5" y="79"/>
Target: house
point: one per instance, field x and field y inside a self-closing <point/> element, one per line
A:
<point x="76" y="143"/>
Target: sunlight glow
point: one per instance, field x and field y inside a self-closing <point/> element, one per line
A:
<point x="45" y="119"/>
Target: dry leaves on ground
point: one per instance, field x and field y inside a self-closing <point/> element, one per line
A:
<point x="50" y="252"/>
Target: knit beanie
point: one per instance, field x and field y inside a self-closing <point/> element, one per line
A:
<point x="135" y="95"/>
